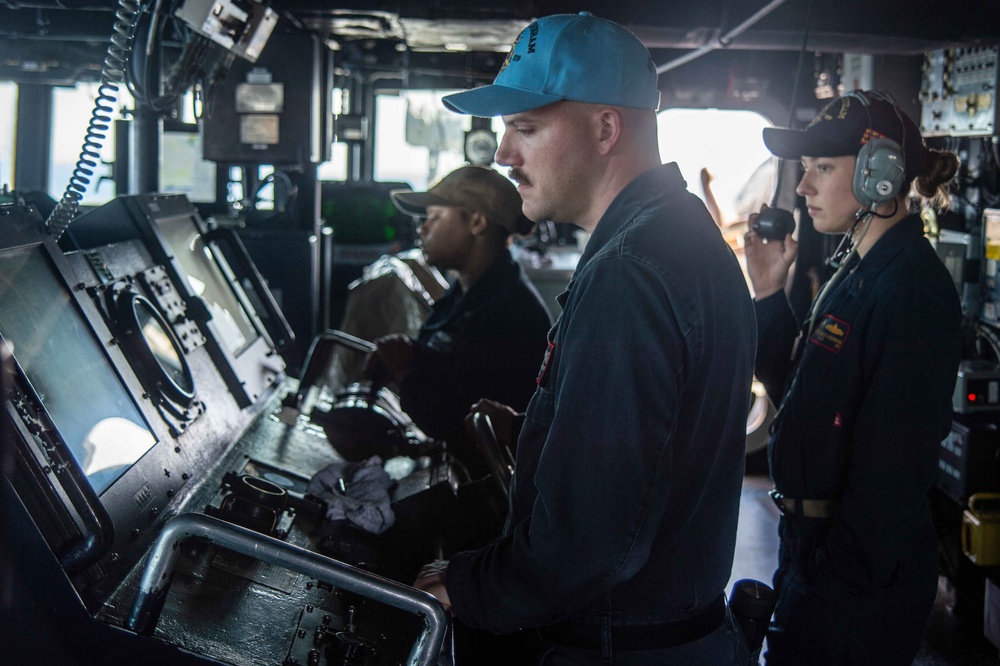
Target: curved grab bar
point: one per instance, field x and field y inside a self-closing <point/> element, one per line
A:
<point x="157" y="576"/>
<point x="318" y="359"/>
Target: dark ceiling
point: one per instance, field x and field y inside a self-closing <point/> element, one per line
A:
<point x="65" y="39"/>
<point x="877" y="26"/>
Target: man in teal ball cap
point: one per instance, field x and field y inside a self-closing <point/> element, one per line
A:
<point x="622" y="524"/>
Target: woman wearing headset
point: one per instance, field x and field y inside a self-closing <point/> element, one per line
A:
<point x="864" y="387"/>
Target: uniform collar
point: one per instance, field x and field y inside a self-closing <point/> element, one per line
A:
<point x="490" y="281"/>
<point x="892" y="242"/>
<point x="636" y="196"/>
<point x="488" y="286"/>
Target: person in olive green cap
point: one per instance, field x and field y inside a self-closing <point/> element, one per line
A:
<point x="485" y="337"/>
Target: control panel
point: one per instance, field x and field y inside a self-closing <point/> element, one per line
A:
<point x="958" y="93"/>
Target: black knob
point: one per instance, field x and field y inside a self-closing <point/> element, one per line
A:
<point x="752" y="603"/>
<point x="348" y="649"/>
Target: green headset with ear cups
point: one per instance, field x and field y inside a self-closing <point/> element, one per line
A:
<point x="881" y="167"/>
<point x="879" y="173"/>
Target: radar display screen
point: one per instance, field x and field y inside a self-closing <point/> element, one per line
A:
<point x="229" y="320"/>
<point x="68" y="369"/>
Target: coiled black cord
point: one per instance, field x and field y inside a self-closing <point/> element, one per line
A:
<point x="112" y="74"/>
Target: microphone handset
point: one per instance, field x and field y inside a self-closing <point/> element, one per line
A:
<point x="773" y="223"/>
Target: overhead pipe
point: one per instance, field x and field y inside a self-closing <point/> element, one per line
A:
<point x="723" y="41"/>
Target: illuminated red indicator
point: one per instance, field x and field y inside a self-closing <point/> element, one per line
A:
<point x="972" y="397"/>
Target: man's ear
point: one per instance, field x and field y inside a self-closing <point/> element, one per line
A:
<point x="478" y="224"/>
<point x="609" y="127"/>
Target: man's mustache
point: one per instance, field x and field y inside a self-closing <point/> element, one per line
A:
<point x="519" y="177"/>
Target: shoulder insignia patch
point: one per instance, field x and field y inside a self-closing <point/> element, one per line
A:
<point x="544" y="370"/>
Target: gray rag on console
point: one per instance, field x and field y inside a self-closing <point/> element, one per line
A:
<point x="357" y="492"/>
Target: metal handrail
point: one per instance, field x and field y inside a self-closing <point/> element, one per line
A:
<point x="157" y="576"/>
<point x="318" y="360"/>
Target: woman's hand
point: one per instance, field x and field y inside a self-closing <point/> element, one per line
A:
<point x="768" y="261"/>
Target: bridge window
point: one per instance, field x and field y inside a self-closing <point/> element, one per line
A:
<point x="417" y="140"/>
<point x="183" y="170"/>
<point x="728" y="145"/>
<point x="8" y="105"/>
<point x="71" y="112"/>
<point x="336" y="168"/>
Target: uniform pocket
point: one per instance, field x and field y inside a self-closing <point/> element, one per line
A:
<point x="542" y="407"/>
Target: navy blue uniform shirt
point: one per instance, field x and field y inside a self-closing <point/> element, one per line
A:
<point x="484" y="343"/>
<point x="630" y="463"/>
<point x="868" y="407"/>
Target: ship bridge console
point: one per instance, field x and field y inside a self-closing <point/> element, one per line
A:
<point x="164" y="477"/>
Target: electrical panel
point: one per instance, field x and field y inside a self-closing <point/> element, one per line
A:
<point x="960" y="254"/>
<point x="272" y="112"/>
<point x="991" y="256"/>
<point x="958" y="93"/>
<point x="242" y="26"/>
<point x="977" y="388"/>
<point x="967" y="460"/>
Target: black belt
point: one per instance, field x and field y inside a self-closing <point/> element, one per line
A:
<point x="627" y="637"/>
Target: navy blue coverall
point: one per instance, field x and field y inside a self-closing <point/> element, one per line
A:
<point x="484" y="343"/>
<point x="868" y="405"/>
<point x="629" y="468"/>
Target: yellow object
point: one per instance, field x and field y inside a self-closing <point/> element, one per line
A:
<point x="981" y="529"/>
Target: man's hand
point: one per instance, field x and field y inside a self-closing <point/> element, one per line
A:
<point x="393" y="354"/>
<point x="506" y="422"/>
<point x="431" y="580"/>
